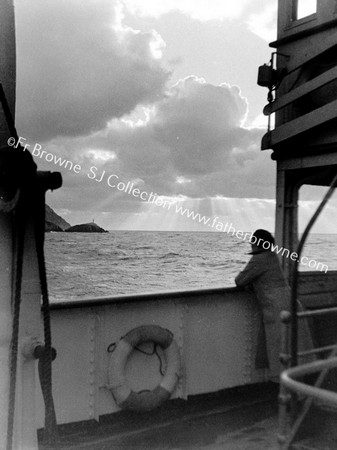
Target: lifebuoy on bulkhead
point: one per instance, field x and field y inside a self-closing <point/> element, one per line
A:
<point x="124" y="396"/>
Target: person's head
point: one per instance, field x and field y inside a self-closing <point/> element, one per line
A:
<point x="261" y="241"/>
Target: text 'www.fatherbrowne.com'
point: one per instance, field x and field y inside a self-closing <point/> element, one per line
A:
<point x="113" y="181"/>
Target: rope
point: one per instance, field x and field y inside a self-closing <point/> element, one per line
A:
<point x="45" y="361"/>
<point x="112" y="347"/>
<point x="8" y="114"/>
<point x="153" y="352"/>
<point x="16" y="303"/>
<point x="19" y="223"/>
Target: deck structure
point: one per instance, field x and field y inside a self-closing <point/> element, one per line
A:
<point x="216" y="330"/>
<point x="303" y="103"/>
<point x="302" y="109"/>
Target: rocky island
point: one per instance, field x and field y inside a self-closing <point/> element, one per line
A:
<point x="91" y="227"/>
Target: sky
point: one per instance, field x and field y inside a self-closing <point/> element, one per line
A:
<point x="153" y="97"/>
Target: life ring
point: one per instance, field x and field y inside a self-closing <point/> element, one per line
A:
<point x="124" y="396"/>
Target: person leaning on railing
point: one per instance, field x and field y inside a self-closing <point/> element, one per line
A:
<point x="264" y="276"/>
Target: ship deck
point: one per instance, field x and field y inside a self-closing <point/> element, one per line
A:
<point x="240" y="418"/>
<point x="244" y="418"/>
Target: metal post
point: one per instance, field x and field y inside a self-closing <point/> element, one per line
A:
<point x="5" y="319"/>
<point x="286" y="234"/>
<point x="284" y="396"/>
<point x="7" y="62"/>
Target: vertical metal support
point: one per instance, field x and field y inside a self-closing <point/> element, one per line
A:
<point x="93" y="349"/>
<point x="30" y="323"/>
<point x="284" y="396"/>
<point x="284" y="402"/>
<point x="5" y="318"/>
<point x="18" y="430"/>
<point x="285" y="339"/>
<point x="24" y="421"/>
<point x="249" y="347"/>
<point x="183" y="311"/>
<point x="7" y="62"/>
<point x="294" y="10"/>
<point x="286" y="226"/>
<point x="280" y="210"/>
<point x="7" y="78"/>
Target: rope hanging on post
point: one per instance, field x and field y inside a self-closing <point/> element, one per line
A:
<point x="19" y="224"/>
<point x="8" y="114"/>
<point x="16" y="303"/>
<point x="22" y="167"/>
<point x="45" y="361"/>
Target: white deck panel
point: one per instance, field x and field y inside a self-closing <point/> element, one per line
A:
<point x="216" y="333"/>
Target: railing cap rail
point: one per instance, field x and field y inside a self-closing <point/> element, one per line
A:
<point x="143" y="297"/>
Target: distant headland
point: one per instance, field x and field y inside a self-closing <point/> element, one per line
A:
<point x="54" y="222"/>
<point x="91" y="227"/>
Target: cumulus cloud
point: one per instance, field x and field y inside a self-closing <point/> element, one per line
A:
<point x="79" y="66"/>
<point x="93" y="90"/>
<point x="191" y="143"/>
<point x="199" y="123"/>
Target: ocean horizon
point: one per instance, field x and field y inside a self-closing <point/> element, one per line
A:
<point x="83" y="265"/>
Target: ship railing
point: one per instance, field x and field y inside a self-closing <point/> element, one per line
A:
<point x="291" y="389"/>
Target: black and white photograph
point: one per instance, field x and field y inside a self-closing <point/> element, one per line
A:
<point x="168" y="241"/>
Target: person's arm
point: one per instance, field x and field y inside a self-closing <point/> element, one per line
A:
<point x="252" y="270"/>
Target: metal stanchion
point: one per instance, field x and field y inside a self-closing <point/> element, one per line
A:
<point x="284" y="396"/>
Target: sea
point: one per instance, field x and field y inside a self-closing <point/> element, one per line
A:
<point x="88" y="265"/>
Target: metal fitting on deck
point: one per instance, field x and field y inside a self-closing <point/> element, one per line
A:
<point x="16" y="168"/>
<point x="28" y="347"/>
<point x="40" y="351"/>
<point x="35" y="349"/>
<point x="18" y="174"/>
<point x="284" y="358"/>
<point x="285" y="316"/>
<point x="284" y="399"/>
<point x="49" y="180"/>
